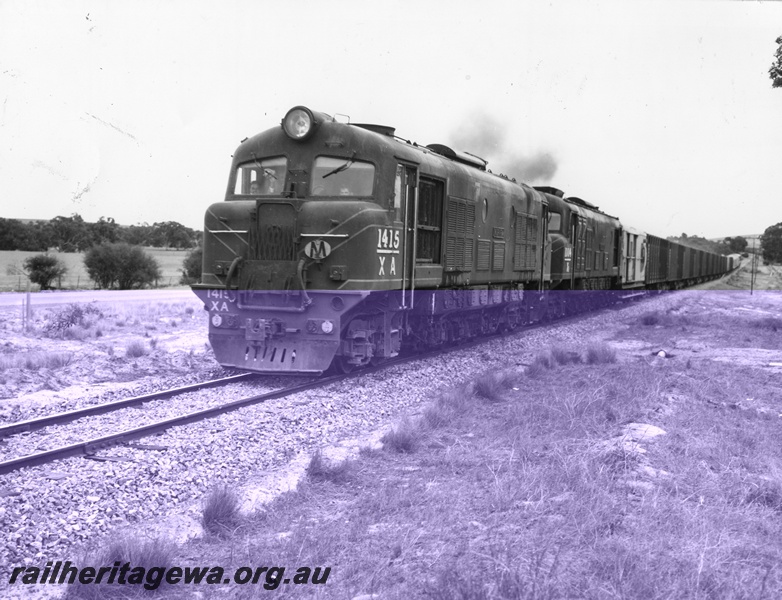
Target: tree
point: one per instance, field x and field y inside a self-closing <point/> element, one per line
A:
<point x="33" y="236"/>
<point x="122" y="265"/>
<point x="70" y="234"/>
<point x="137" y="235"/>
<point x="43" y="269"/>
<point x="775" y="72"/>
<point x="736" y="244"/>
<point x="170" y="234"/>
<point x="700" y="243"/>
<point x="103" y="231"/>
<point x="771" y="241"/>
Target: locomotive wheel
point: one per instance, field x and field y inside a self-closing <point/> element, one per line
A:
<point x="341" y="365"/>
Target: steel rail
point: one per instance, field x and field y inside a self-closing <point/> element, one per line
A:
<point x="99" y="409"/>
<point x="90" y="447"/>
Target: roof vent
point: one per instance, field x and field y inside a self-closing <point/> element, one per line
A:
<point x="550" y="190"/>
<point x="462" y="157"/>
<point x="381" y="129"/>
<point x="580" y="202"/>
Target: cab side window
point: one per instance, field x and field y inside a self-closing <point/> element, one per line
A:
<point x="430" y="218"/>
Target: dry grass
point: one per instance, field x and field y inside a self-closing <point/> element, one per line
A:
<point x="404" y="437"/>
<point x="320" y="470"/>
<point x="600" y="354"/>
<point x="532" y="493"/>
<point x="493" y="385"/>
<point x="151" y="554"/>
<point x="220" y="511"/>
<point x="34" y="361"/>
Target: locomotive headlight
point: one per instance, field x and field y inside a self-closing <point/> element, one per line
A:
<point x="217" y="320"/>
<point x="298" y="123"/>
<point x="327" y="326"/>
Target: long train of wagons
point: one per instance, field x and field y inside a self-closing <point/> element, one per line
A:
<point x="340" y="244"/>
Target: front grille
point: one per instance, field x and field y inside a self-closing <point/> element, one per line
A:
<point x="274" y="234"/>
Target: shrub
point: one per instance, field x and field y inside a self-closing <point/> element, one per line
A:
<point x="135" y="349"/>
<point x="220" y="511"/>
<point x="122" y="265"/>
<point x="70" y="316"/>
<point x="43" y="269"/>
<point x="191" y="266"/>
<point x="650" y="319"/>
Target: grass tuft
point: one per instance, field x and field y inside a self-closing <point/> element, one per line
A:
<point x="36" y="360"/>
<point x="769" y="323"/>
<point x="768" y="493"/>
<point x="154" y="555"/>
<point x="564" y="356"/>
<point x="321" y="470"/>
<point x="492" y="385"/>
<point x="135" y="348"/>
<point x="220" y="510"/>
<point x="403" y="438"/>
<point x="600" y="354"/>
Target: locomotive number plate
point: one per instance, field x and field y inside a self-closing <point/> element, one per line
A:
<point x="387" y="240"/>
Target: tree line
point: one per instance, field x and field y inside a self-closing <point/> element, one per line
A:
<point x="74" y="234"/>
<point x="728" y="245"/>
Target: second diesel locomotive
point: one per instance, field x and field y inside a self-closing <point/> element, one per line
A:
<point x="339" y="243"/>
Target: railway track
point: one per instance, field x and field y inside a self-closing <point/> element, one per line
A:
<point x="92" y="446"/>
<point x="100" y="409"/>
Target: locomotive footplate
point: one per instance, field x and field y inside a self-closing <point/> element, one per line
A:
<point x="276" y="331"/>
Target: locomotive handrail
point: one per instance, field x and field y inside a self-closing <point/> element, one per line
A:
<point x="300" y="268"/>
<point x="317" y="235"/>
<point x="232" y="271"/>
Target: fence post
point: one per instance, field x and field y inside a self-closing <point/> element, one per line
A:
<point x="28" y="309"/>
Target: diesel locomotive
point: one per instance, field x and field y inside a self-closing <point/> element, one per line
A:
<point x="341" y="243"/>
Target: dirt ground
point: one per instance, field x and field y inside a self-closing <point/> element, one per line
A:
<point x="67" y="354"/>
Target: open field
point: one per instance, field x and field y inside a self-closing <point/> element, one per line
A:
<point x="601" y="471"/>
<point x="72" y="348"/>
<point x="13" y="278"/>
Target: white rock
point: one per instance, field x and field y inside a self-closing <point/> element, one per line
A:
<point x="642" y="431"/>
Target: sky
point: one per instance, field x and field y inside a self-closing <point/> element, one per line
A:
<point x="662" y="113"/>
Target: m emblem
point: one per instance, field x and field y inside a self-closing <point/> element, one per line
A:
<point x="317" y="249"/>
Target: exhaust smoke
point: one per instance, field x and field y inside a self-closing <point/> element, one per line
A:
<point x="486" y="136"/>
